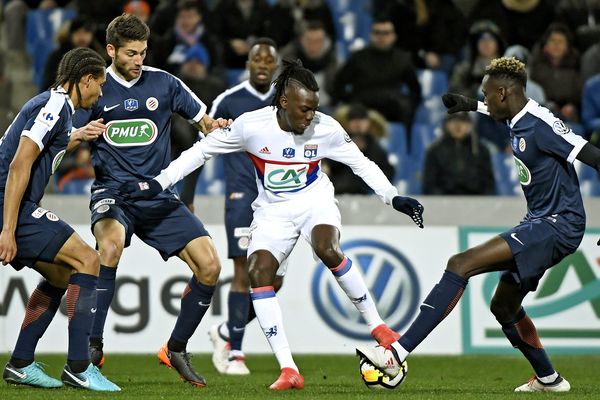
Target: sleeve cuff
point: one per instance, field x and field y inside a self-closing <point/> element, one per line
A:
<point x="390" y="194"/>
<point x="164" y="180"/>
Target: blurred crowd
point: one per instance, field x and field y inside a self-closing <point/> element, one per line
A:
<point x="381" y="65"/>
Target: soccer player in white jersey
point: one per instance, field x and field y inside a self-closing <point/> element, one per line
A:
<point x="544" y="149"/>
<point x="286" y="142"/>
<point x="136" y="106"/>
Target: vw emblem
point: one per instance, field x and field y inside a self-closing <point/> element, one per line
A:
<point x="391" y="280"/>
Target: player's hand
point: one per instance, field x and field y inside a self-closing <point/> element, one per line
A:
<point x="457" y="102"/>
<point x="8" y="247"/>
<point x="141" y="190"/>
<point x="89" y="132"/>
<point x="598" y="242"/>
<point x="410" y="207"/>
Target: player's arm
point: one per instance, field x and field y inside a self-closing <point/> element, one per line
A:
<point x="17" y="180"/>
<point x="343" y="150"/>
<point x="590" y="155"/>
<point x="457" y="102"/>
<point x="87" y="133"/>
<point x="221" y="141"/>
<point x="207" y="124"/>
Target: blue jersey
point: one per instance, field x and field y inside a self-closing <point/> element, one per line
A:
<point x="544" y="149"/>
<point x="137" y="144"/>
<point x="47" y="120"/>
<point x="239" y="171"/>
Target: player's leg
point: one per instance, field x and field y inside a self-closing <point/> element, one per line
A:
<point x="110" y="239"/>
<point x="326" y="244"/>
<point x="201" y="256"/>
<point x="507" y="307"/>
<point x="39" y="312"/>
<point x="493" y="255"/>
<point x="263" y="266"/>
<point x="81" y="308"/>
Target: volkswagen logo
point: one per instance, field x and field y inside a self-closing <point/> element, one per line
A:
<point x="391" y="280"/>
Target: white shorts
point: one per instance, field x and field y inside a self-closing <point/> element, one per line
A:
<point x="277" y="226"/>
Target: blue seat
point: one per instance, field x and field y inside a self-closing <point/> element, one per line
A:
<point x="434" y="83"/>
<point x="235" y="76"/>
<point x="421" y="137"/>
<point x="506" y="174"/>
<point x="77" y="186"/>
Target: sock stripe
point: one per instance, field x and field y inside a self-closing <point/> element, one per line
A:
<point x="263" y="292"/>
<point x="342" y="268"/>
<point x="528" y="333"/>
<point x="187" y="290"/>
<point x="453" y="302"/>
<point x="72" y="297"/>
<point x="38" y="303"/>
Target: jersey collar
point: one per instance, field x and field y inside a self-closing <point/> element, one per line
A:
<point x="62" y="90"/>
<point x="261" y="96"/>
<point x="120" y="80"/>
<point x="528" y="106"/>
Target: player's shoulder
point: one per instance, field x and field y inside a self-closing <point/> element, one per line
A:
<point x="260" y="115"/>
<point x="229" y="95"/>
<point x="326" y="123"/>
<point x="544" y="119"/>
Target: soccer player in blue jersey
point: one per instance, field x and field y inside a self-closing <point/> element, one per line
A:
<point x="240" y="192"/>
<point x="34" y="237"/>
<point x="544" y="149"/>
<point x="136" y="106"/>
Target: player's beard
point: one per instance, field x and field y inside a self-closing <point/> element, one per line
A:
<point x="124" y="72"/>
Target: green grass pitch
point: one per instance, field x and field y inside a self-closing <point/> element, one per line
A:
<point x="327" y="377"/>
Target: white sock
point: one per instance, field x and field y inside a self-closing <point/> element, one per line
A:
<point x="351" y="281"/>
<point x="401" y="351"/>
<point x="548" y="379"/>
<point x="269" y="317"/>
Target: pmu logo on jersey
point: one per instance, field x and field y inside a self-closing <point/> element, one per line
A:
<point x="130" y="132"/>
<point x="310" y="150"/>
<point x="565" y="308"/>
<point x="285" y="177"/>
<point x="391" y="279"/>
<point x="524" y="173"/>
<point x="289" y="152"/>
<point x="130" y="104"/>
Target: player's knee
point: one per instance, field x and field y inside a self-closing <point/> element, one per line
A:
<point x="329" y="254"/>
<point x="207" y="271"/>
<point x="502" y="309"/>
<point x="110" y="251"/>
<point x="88" y="262"/>
<point x="457" y="264"/>
<point x="59" y="277"/>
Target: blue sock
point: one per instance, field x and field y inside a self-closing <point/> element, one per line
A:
<point x="522" y="335"/>
<point x="194" y="303"/>
<point x="81" y="307"/>
<point x="251" y="312"/>
<point x="436" y="306"/>
<point x="106" y="291"/>
<point x="238" y="306"/>
<point x="41" y="308"/>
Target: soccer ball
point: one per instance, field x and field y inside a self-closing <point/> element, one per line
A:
<point x="376" y="379"/>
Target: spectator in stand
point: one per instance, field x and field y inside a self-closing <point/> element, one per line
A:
<point x="76" y="165"/>
<point x="238" y="23"/>
<point x="287" y="17"/>
<point x="458" y="163"/>
<point x="139" y="8"/>
<point x="193" y="73"/>
<point x="590" y="62"/>
<point x="364" y="127"/>
<point x="520" y="21"/>
<point x="189" y="30"/>
<point x="555" y="66"/>
<point x="79" y="33"/>
<point x="163" y="15"/>
<point x="316" y="51"/>
<point x="583" y="19"/>
<point x="590" y="109"/>
<point x="418" y="27"/>
<point x="484" y="44"/>
<point x="380" y="76"/>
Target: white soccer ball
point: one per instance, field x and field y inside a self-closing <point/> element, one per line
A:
<point x="377" y="379"/>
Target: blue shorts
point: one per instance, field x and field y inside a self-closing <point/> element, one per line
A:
<point x="40" y="235"/>
<point x="238" y="217"/>
<point x="540" y="244"/>
<point x="163" y="223"/>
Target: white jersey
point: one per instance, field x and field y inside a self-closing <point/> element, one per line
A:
<point x="286" y="164"/>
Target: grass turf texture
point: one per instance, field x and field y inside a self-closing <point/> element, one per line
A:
<point x="327" y="377"/>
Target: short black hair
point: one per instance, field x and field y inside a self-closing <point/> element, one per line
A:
<point x="264" y="40"/>
<point x="77" y="63"/>
<point x="293" y="71"/>
<point x="508" y="68"/>
<point x="126" y="28"/>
